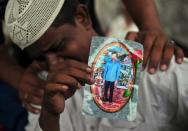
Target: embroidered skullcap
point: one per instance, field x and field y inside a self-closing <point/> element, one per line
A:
<point x="27" y="20"/>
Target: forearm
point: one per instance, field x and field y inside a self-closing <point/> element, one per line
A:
<point x="143" y="13"/>
<point x="10" y="70"/>
<point x="49" y="121"/>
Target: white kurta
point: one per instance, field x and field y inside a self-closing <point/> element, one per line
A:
<point x="162" y="105"/>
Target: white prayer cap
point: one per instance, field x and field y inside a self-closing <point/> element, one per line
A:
<point x="27" y="20"/>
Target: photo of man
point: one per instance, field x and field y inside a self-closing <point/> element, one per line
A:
<point x="113" y="73"/>
<point x="111" y="76"/>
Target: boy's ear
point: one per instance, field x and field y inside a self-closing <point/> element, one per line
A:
<point x="82" y="16"/>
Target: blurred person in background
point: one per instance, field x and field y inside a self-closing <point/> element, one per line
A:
<point x="174" y="18"/>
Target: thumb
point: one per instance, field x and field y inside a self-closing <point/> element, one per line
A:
<point x="52" y="60"/>
<point x="131" y="36"/>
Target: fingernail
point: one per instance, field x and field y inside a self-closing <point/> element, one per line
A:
<point x="88" y="69"/>
<point x="180" y="60"/>
<point x="65" y="87"/>
<point x="152" y="70"/>
<point x="163" y="67"/>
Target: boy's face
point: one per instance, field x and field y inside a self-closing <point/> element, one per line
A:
<point x="114" y="57"/>
<point x="67" y="40"/>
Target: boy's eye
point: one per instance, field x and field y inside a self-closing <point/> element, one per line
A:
<point x="40" y="58"/>
<point x="61" y="46"/>
<point x="58" y="46"/>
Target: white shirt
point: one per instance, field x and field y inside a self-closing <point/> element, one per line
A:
<point x="162" y="105"/>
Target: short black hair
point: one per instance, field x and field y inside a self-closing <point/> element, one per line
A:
<point x="115" y="53"/>
<point x="67" y="13"/>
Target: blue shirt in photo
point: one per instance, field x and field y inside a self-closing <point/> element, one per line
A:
<point x="112" y="70"/>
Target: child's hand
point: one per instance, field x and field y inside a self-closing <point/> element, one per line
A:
<point x="64" y="78"/>
<point x="30" y="88"/>
<point x="157" y="49"/>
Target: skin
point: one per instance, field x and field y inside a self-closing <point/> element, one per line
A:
<point x="30" y="88"/>
<point x="114" y="57"/>
<point x="27" y="81"/>
<point x="158" y="48"/>
<point x="67" y="66"/>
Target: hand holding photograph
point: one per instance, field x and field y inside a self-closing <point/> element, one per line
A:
<point x="116" y="67"/>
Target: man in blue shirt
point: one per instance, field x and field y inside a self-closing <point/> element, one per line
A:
<point x="111" y="75"/>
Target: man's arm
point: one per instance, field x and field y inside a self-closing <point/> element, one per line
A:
<point x="158" y="48"/>
<point x="144" y="14"/>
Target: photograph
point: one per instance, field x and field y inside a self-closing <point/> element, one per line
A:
<point x="114" y="71"/>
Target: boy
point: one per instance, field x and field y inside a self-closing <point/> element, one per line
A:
<point x="65" y="45"/>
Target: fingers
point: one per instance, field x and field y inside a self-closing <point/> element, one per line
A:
<point x="156" y="54"/>
<point x="38" y="92"/>
<point x="34" y="100"/>
<point x="131" y="36"/>
<point x="179" y="55"/>
<point x="57" y="87"/>
<point x="80" y="71"/>
<point x="167" y="56"/>
<point x="29" y="102"/>
<point x="54" y="88"/>
<point x="57" y="91"/>
<point x="80" y="75"/>
<point x="36" y="67"/>
<point x="30" y="88"/>
<point x="30" y="108"/>
<point x="148" y="44"/>
<point x="54" y="103"/>
<point x="65" y="80"/>
<point x="31" y="96"/>
<point x="52" y="60"/>
<point x="67" y="63"/>
<point x="33" y="83"/>
<point x="62" y="83"/>
<point x="157" y="49"/>
<point x="57" y="64"/>
<point x="78" y="65"/>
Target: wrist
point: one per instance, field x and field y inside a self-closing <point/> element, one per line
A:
<point x="148" y="27"/>
<point x="48" y="121"/>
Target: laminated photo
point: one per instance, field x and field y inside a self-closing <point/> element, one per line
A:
<point x="116" y="66"/>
